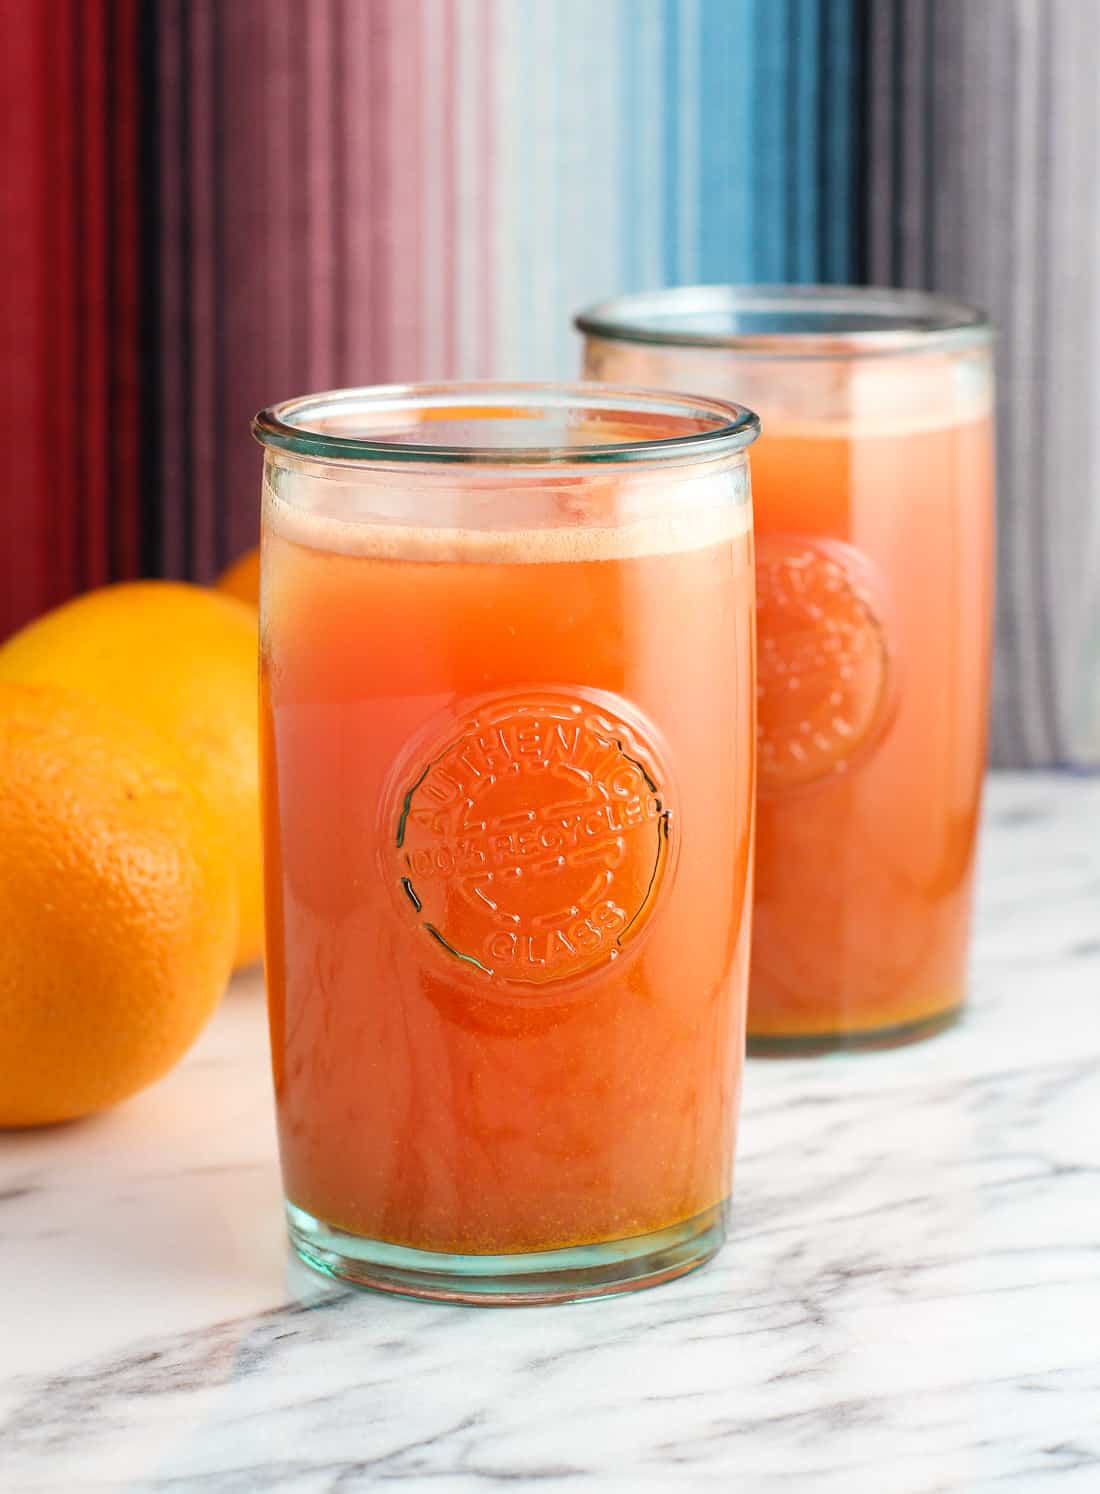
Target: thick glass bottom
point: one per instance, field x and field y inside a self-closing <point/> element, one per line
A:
<point x="804" y="1044"/>
<point x="534" y="1278"/>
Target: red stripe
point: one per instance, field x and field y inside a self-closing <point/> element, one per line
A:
<point x="91" y="395"/>
<point x="68" y="300"/>
<point x="60" y="410"/>
<point x="23" y="345"/>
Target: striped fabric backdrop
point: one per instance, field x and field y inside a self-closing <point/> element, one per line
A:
<point x="214" y="205"/>
<point x="353" y="191"/>
<point x="70" y="343"/>
<point x="983" y="179"/>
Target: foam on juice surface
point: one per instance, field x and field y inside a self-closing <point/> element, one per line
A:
<point x="817" y="397"/>
<point x="709" y="516"/>
<point x="875" y="427"/>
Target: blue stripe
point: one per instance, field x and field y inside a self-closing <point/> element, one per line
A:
<point x="745" y="228"/>
<point x="670" y="247"/>
<point x="776" y="170"/>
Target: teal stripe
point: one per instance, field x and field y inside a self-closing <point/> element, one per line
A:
<point x="777" y="137"/>
<point x="839" y="143"/>
<point x="724" y="213"/>
<point x="804" y="93"/>
<point x="769" y="142"/>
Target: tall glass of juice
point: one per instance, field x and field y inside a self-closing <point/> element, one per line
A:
<point x="874" y="525"/>
<point x="508" y="721"/>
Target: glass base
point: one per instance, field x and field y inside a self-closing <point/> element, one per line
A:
<point x="570" y="1275"/>
<point x="806" y="1044"/>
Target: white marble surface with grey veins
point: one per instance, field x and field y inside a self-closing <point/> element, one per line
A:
<point x="910" y="1302"/>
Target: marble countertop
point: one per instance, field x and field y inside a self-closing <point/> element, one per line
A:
<point x="910" y="1302"/>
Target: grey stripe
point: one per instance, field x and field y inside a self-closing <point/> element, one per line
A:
<point x="984" y="182"/>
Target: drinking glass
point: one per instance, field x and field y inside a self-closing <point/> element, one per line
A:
<point x="507" y="702"/>
<point x="873" y="488"/>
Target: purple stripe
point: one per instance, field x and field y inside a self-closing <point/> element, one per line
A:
<point x="174" y="244"/>
<point x="254" y="322"/>
<point x="200" y="188"/>
<point x="317" y="186"/>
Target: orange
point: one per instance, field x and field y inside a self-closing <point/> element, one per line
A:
<point x="242" y="578"/>
<point x="117" y="902"/>
<point x="181" y="659"/>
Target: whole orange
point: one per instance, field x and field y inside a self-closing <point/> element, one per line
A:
<point x="117" y="904"/>
<point x="181" y="659"/>
<point x="242" y="578"/>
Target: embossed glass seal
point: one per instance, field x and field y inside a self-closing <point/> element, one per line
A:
<point x="530" y="844"/>
<point x="827" y="675"/>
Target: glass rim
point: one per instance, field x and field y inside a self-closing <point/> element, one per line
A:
<point x="839" y="321"/>
<point x="284" y="427"/>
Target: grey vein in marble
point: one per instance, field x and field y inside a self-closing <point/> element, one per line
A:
<point x="910" y="1303"/>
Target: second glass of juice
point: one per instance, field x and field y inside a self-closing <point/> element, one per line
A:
<point x="508" y="728"/>
<point x="873" y="488"/>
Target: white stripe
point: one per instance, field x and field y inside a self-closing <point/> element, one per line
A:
<point x="588" y="183"/>
<point x="543" y="66"/>
<point x="647" y="138"/>
<point x="471" y="208"/>
<point x="1073" y="297"/>
<point x="1025" y="219"/>
<point x="507" y="202"/>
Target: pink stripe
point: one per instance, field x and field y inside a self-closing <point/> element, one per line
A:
<point x="363" y="45"/>
<point x="379" y="103"/>
<point x="487" y="133"/>
<point x="277" y="227"/>
<point x="401" y="208"/>
<point x="449" y="187"/>
<point x="318" y="18"/>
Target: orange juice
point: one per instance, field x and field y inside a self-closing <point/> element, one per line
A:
<point x="873" y="491"/>
<point x="880" y="644"/>
<point x="508" y="819"/>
